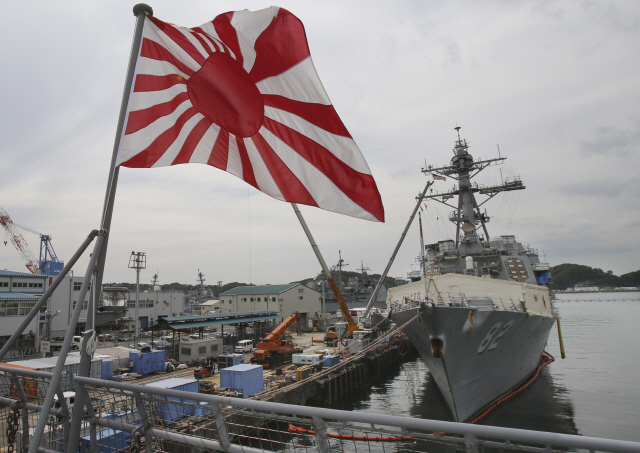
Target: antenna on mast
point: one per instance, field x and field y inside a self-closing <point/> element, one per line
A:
<point x="498" y="145"/>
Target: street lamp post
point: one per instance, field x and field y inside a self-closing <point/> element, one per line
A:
<point x="137" y="261"/>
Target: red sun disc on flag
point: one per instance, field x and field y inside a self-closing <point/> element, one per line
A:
<point x="225" y="94"/>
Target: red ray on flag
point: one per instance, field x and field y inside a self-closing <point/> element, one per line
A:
<point x="240" y="93"/>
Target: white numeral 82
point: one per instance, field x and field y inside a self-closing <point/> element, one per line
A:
<point x="491" y="339"/>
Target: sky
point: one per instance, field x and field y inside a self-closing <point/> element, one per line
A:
<point x="554" y="85"/>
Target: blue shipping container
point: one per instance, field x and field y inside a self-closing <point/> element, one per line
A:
<point x="227" y="360"/>
<point x="147" y="362"/>
<point x="168" y="412"/>
<point x="330" y="360"/>
<point x="107" y="369"/>
<point x="109" y="441"/>
<point x="244" y="378"/>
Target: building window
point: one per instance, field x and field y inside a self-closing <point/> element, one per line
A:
<point x="214" y="348"/>
<point x="300" y="290"/>
<point x="9" y="309"/>
<point x="301" y="297"/>
<point x="258" y="299"/>
<point x="77" y="286"/>
<point x="85" y="304"/>
<point x="4" y="284"/>
<point x="251" y="299"/>
<point x="186" y="351"/>
<point x="202" y="349"/>
<point x="245" y="299"/>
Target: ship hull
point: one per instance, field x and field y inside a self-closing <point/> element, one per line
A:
<point x="475" y="356"/>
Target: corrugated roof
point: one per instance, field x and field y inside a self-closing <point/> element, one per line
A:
<point x="259" y="290"/>
<point x="20" y="296"/>
<point x="5" y="273"/>
<point x="219" y="316"/>
<point x="220" y="322"/>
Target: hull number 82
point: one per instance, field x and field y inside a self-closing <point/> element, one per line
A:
<point x="491" y="340"/>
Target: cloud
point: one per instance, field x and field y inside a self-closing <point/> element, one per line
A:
<point x="610" y="140"/>
<point x="551" y="82"/>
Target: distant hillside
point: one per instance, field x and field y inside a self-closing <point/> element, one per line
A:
<point x="566" y="276"/>
<point x="180" y="287"/>
<point x="389" y="282"/>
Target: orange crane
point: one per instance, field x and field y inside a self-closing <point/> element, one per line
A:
<point x="331" y="335"/>
<point x="275" y="349"/>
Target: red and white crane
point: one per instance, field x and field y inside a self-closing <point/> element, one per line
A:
<point x="48" y="263"/>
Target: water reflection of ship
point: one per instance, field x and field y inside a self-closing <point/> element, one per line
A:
<point x="355" y="288"/>
<point x="545" y="406"/>
<point x="411" y="391"/>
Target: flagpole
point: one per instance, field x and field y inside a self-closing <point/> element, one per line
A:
<point x="395" y="252"/>
<point x="327" y="273"/>
<point x="140" y="11"/>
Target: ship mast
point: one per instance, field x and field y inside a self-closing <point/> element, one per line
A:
<point x="467" y="215"/>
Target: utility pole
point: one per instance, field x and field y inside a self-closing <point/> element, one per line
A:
<point x="137" y="261"/>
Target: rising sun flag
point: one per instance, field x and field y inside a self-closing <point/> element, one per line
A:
<point x="240" y="93"/>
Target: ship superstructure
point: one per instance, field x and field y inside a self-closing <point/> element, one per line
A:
<point x="473" y="252"/>
<point x="479" y="313"/>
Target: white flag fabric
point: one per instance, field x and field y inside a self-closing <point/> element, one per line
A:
<point x="240" y="93"/>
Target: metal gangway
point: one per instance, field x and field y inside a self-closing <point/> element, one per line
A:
<point x="125" y="417"/>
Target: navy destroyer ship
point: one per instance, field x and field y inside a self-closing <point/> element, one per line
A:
<point x="479" y="312"/>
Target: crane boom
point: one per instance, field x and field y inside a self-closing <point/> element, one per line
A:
<point x="18" y="241"/>
<point x="276" y="334"/>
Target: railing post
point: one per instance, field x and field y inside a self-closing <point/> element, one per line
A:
<point x="64" y="409"/>
<point x="221" y="426"/>
<point x="144" y="421"/>
<point x="93" y="441"/>
<point x="471" y="443"/>
<point x="319" y="426"/>
<point x="21" y="405"/>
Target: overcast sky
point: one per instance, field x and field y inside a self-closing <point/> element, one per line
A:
<point x="555" y="84"/>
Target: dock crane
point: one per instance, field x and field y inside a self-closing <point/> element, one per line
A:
<point x="276" y="348"/>
<point x="48" y="263"/>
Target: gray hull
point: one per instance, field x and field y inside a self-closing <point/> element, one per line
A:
<point x="484" y="353"/>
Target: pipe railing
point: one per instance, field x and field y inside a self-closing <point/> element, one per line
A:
<point x="155" y="418"/>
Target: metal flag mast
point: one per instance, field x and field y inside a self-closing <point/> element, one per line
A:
<point x="395" y="251"/>
<point x="88" y="343"/>
<point x="325" y="269"/>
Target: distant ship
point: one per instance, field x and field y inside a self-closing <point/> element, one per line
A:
<point x="479" y="312"/>
<point x="356" y="292"/>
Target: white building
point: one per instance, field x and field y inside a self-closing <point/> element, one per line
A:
<point x="155" y="304"/>
<point x="19" y="293"/>
<point x="287" y="299"/>
<point x="210" y="306"/>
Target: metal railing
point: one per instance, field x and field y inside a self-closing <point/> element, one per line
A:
<point x="122" y="416"/>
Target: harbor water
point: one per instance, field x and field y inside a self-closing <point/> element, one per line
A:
<point x="593" y="392"/>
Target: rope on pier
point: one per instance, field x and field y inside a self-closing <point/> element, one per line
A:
<point x="295" y="429"/>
